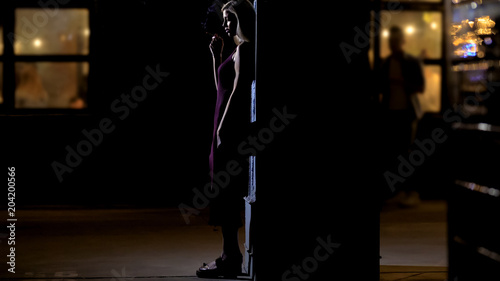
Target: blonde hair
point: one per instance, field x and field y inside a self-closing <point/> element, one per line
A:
<point x="245" y="14"/>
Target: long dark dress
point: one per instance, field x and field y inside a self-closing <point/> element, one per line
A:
<point x="228" y="168"/>
<point x="226" y="75"/>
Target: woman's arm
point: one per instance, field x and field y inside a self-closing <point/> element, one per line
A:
<point x="235" y="120"/>
<point x="216" y="46"/>
<point x="235" y="85"/>
<point x="216" y="63"/>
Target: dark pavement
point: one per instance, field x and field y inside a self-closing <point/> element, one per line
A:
<point x="121" y="244"/>
<point x="109" y="244"/>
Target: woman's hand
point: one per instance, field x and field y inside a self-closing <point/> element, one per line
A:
<point x="216" y="46"/>
<point x="218" y="138"/>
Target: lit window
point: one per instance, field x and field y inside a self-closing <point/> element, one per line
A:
<point x="51" y="84"/>
<point x="423" y="33"/>
<point x="38" y="33"/>
<point x="430" y="100"/>
<point x="46" y="65"/>
<point x="44" y="84"/>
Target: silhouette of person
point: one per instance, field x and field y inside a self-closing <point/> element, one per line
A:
<point x="30" y="92"/>
<point x="402" y="79"/>
<point x="233" y="78"/>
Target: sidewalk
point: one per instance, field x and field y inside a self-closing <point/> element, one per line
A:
<point x="110" y="244"/>
<point x="123" y="244"/>
<point x="413" y="242"/>
<point x="413" y="273"/>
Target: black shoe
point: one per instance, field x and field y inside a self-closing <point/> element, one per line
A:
<point x="220" y="269"/>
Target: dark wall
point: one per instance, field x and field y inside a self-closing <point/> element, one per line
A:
<point x="317" y="181"/>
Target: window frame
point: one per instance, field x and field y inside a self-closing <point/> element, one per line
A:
<point x="8" y="58"/>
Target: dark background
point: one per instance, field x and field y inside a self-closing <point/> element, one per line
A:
<point x="159" y="152"/>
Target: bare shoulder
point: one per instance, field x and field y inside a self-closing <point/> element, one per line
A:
<point x="236" y="55"/>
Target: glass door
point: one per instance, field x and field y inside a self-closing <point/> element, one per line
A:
<point x="422" y="24"/>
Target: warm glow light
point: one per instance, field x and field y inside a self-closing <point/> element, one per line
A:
<point x="467" y="45"/>
<point x="37" y="43"/>
<point x="17" y="47"/>
<point x="86" y="32"/>
<point x="455" y="28"/>
<point x="385" y="33"/>
<point x="410" y="30"/>
<point x="484" y="25"/>
<point x="434" y="25"/>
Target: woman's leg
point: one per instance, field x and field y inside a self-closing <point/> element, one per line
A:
<point x="230" y="245"/>
<point x="229" y="264"/>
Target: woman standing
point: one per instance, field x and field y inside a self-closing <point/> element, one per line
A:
<point x="233" y="78"/>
